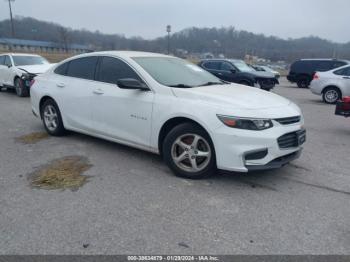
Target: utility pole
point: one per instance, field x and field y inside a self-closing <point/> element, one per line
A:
<point x="12" y="26"/>
<point x="168" y="29"/>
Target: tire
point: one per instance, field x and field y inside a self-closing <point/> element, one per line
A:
<point x="193" y="148"/>
<point x="52" y="119"/>
<point x="331" y="95"/>
<point x="303" y="82"/>
<point x="21" y="89"/>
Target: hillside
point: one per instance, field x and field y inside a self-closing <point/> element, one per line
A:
<point x="228" y="41"/>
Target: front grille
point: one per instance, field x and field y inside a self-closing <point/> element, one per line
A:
<point x="267" y="83"/>
<point x="291" y="140"/>
<point x="288" y="120"/>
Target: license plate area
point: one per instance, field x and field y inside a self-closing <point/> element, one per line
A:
<point x="301" y="137"/>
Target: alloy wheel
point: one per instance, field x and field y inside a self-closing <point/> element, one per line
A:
<point x="51" y="118"/>
<point x="331" y="96"/>
<point x="191" y="153"/>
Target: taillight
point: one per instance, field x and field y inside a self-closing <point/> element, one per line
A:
<point x="31" y="83"/>
<point x="346" y="99"/>
<point x="316" y="76"/>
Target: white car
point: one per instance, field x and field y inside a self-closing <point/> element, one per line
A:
<point x="332" y="85"/>
<point x="171" y="107"/>
<point x="17" y="71"/>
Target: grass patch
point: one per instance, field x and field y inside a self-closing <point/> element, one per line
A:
<point x="32" y="138"/>
<point x="63" y="173"/>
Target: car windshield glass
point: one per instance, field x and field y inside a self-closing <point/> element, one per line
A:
<point x="242" y="66"/>
<point x="175" y="72"/>
<point x="29" y="60"/>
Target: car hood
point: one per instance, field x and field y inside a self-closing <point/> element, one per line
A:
<point x="35" y="69"/>
<point x="233" y="96"/>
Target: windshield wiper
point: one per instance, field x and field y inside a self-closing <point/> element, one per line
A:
<point x="214" y="83"/>
<point x="181" y="86"/>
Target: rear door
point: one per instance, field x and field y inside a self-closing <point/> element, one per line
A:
<point x="73" y="87"/>
<point x="213" y="67"/>
<point x="8" y="74"/>
<point x="2" y="69"/>
<point x="344" y="80"/>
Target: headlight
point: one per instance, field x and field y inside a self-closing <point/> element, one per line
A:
<point x="246" y="123"/>
<point x="25" y="76"/>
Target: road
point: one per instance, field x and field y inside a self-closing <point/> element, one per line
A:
<point x="134" y="205"/>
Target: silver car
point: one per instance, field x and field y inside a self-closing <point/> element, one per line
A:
<point x="332" y="85"/>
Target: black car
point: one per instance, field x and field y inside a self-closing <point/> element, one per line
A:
<point x="302" y="71"/>
<point x="237" y="71"/>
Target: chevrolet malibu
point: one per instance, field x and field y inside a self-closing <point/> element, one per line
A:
<point x="171" y="107"/>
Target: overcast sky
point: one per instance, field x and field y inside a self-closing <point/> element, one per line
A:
<point x="147" y="18"/>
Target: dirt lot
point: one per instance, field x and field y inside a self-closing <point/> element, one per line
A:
<point x="131" y="203"/>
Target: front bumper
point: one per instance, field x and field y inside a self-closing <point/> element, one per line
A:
<point x="233" y="145"/>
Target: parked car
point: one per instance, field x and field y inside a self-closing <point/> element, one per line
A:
<point x="18" y="70"/>
<point x="332" y="85"/>
<point x="343" y="107"/>
<point x="302" y="71"/>
<point x="171" y="107"/>
<point x="237" y="71"/>
<point x="266" y="69"/>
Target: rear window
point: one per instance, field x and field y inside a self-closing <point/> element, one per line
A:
<point x="83" y="68"/>
<point x="214" y="65"/>
<point x="62" y="69"/>
<point x="2" y="60"/>
<point x="343" y="72"/>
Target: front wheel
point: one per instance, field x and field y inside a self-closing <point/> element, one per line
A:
<point x="331" y="95"/>
<point x="51" y="117"/>
<point x="21" y="89"/>
<point x="189" y="152"/>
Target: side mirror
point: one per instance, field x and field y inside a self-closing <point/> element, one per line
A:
<point x="132" y="84"/>
<point x="233" y="71"/>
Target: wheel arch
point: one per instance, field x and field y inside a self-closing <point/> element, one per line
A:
<point x="332" y="86"/>
<point x="43" y="100"/>
<point x="173" y="122"/>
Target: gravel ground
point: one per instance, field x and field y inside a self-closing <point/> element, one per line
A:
<point x="133" y="203"/>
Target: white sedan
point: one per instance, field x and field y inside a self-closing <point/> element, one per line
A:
<point x="17" y="71"/>
<point x="171" y="107"/>
<point x="332" y="85"/>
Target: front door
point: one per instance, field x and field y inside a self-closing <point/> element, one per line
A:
<point x="120" y="113"/>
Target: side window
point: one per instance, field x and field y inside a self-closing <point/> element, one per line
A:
<point x="343" y="72"/>
<point x="212" y="65"/>
<point x="8" y="61"/>
<point x="323" y="66"/>
<point x="226" y="66"/>
<point x="83" y="68"/>
<point x="2" y="60"/>
<point x="113" y="69"/>
<point x="62" y="69"/>
<point x="337" y="64"/>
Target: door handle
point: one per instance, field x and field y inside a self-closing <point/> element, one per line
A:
<point x="98" y="91"/>
<point x="220" y="74"/>
<point x="61" y="85"/>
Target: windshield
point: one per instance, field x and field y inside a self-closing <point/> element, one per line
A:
<point x="29" y="60"/>
<point x="175" y="72"/>
<point x="242" y="66"/>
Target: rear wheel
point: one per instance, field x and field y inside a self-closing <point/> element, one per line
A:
<point x="189" y="152"/>
<point x="303" y="82"/>
<point x="21" y="89"/>
<point x="331" y="95"/>
<point x="51" y="117"/>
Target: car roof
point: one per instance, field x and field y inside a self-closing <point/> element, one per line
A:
<point x="122" y="54"/>
<point x="19" y="54"/>
<point x="323" y="59"/>
<point x="221" y="59"/>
